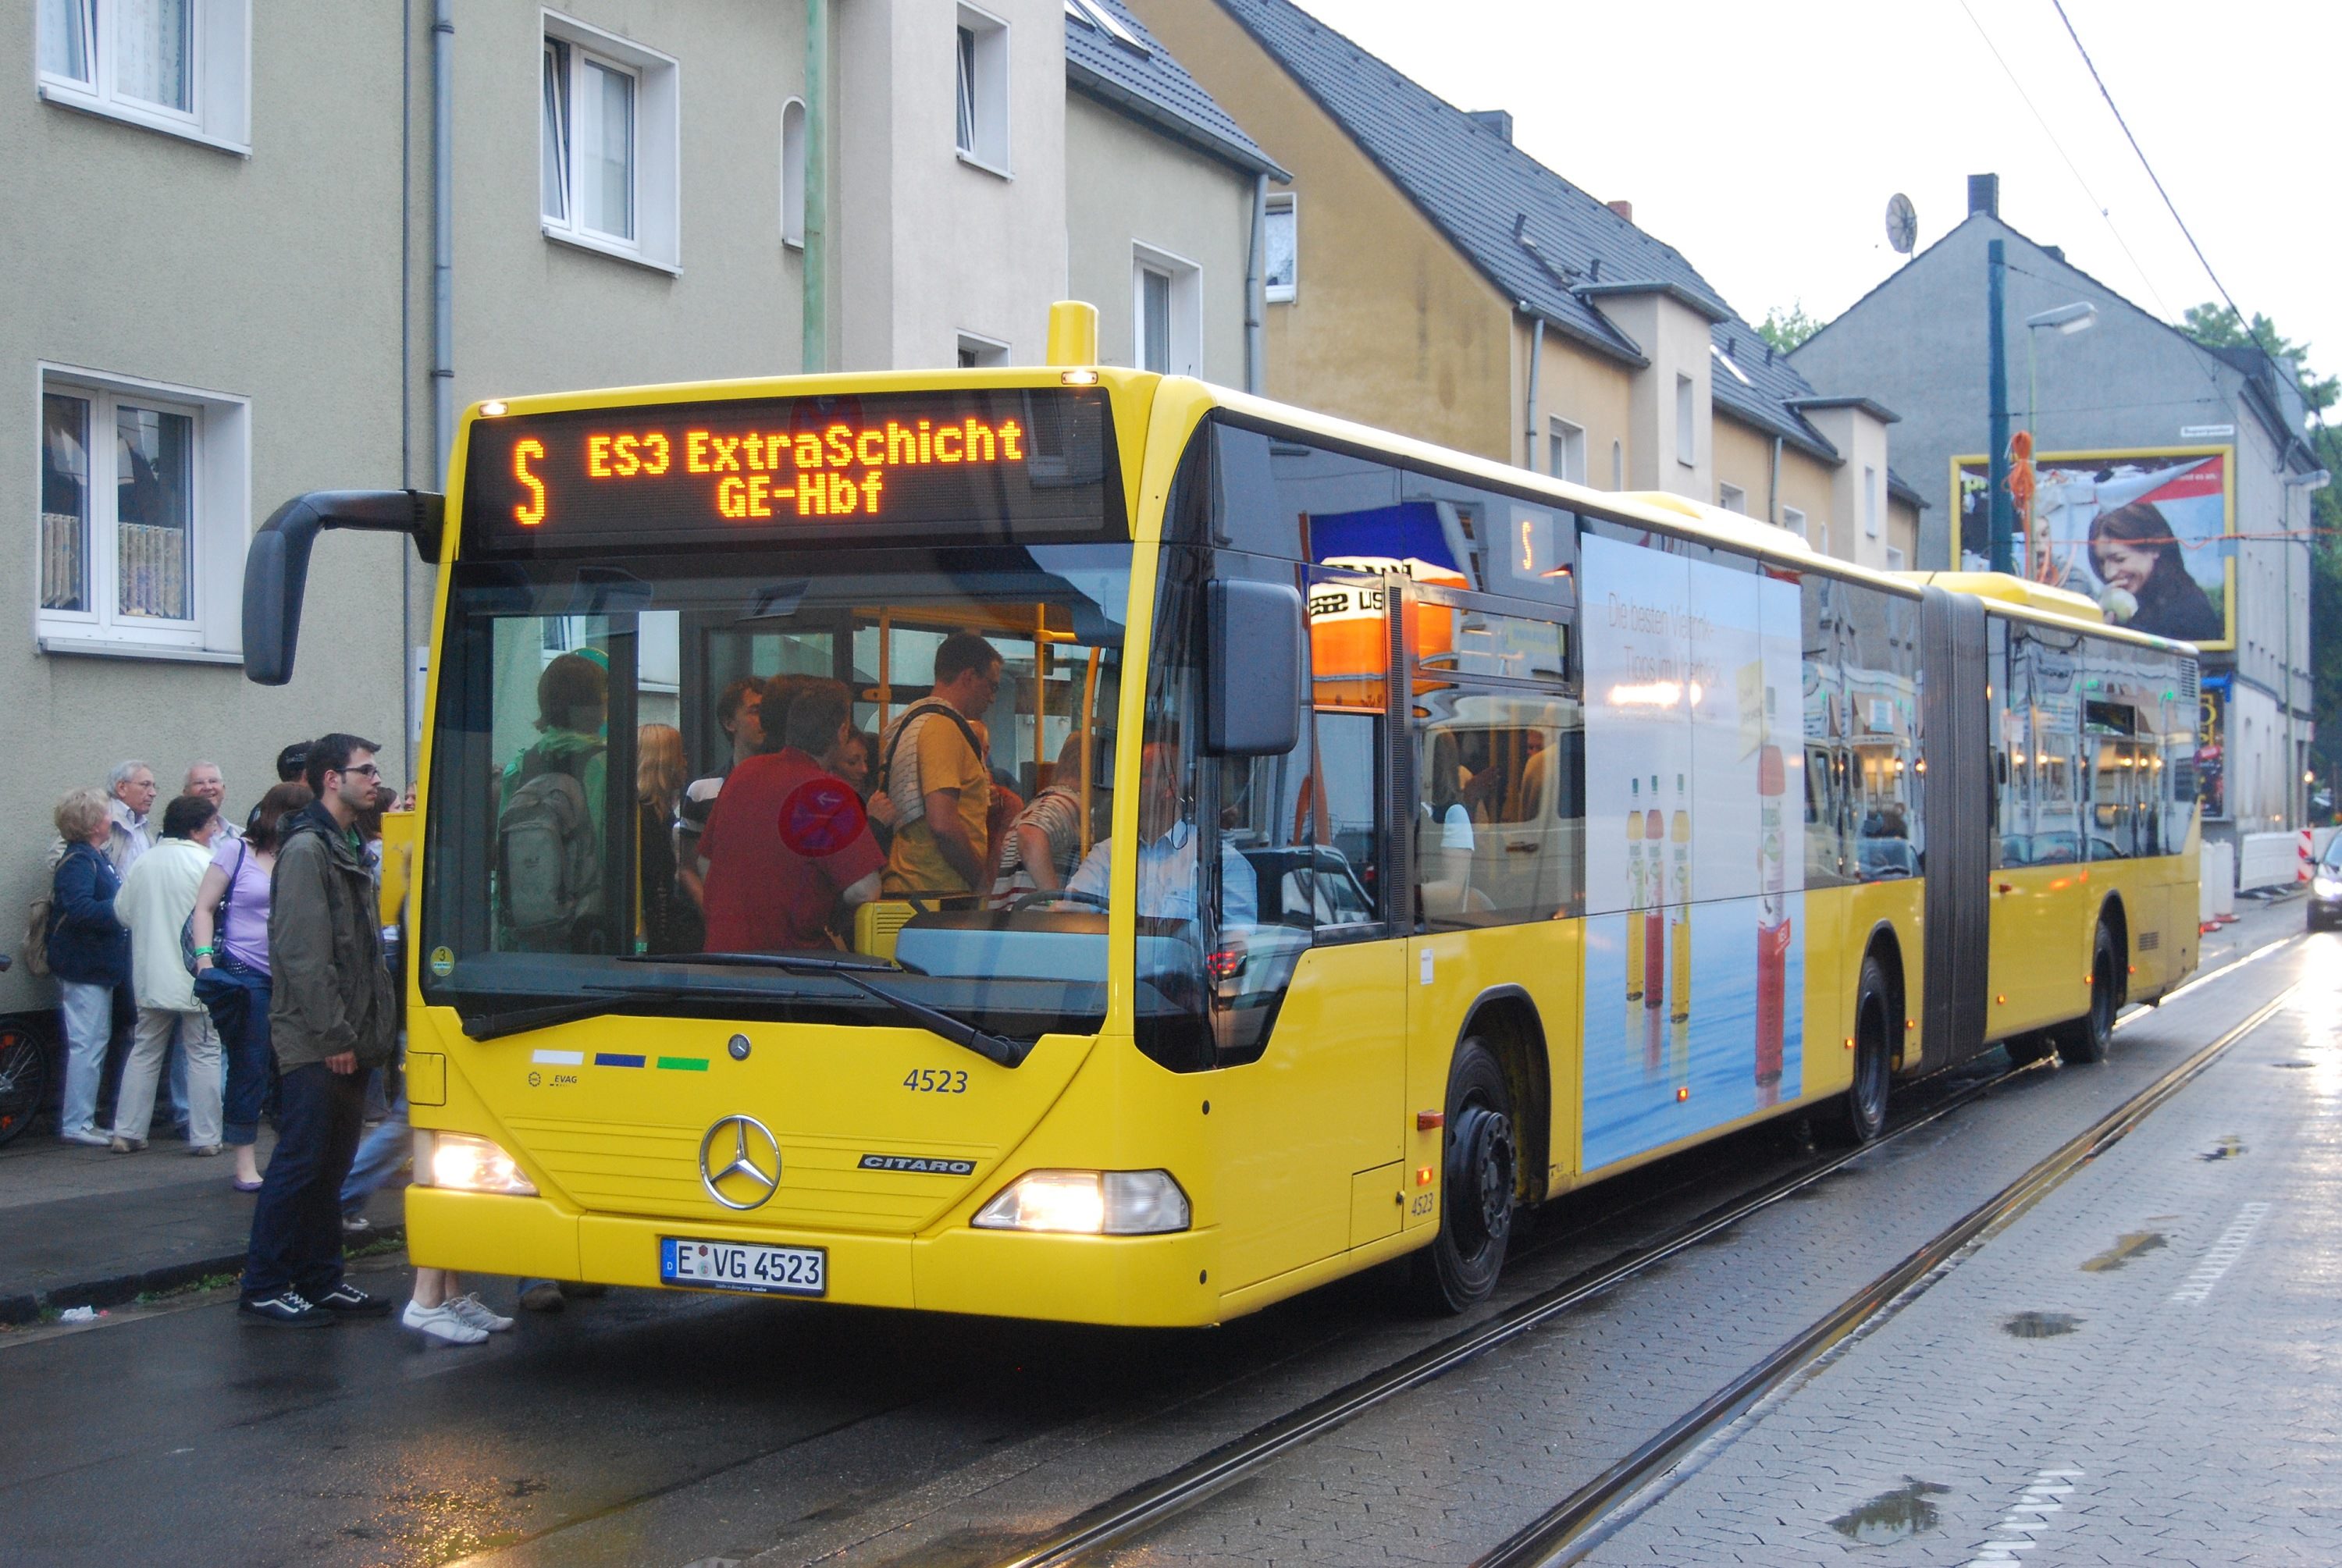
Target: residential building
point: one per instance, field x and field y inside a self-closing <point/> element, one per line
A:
<point x="266" y="247"/>
<point x="2128" y="383"/>
<point x="1427" y="275"/>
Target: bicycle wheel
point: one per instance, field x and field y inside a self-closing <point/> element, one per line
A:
<point x="23" y="1076"/>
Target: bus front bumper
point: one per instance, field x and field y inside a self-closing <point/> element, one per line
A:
<point x="1143" y="1281"/>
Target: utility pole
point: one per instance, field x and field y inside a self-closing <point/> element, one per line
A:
<point x="2004" y="511"/>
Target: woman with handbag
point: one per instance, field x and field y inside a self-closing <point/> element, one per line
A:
<point x="229" y="936"/>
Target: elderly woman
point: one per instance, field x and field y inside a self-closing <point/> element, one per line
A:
<point x="89" y="953"/>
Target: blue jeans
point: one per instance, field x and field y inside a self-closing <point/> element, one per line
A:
<point x="296" y="1226"/>
<point x="85" y="1012"/>
<point x="238" y="1001"/>
<point x="386" y="1148"/>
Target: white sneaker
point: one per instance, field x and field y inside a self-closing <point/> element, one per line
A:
<point x="440" y="1323"/>
<point x="475" y="1311"/>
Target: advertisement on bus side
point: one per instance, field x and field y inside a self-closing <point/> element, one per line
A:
<point x="1694" y="847"/>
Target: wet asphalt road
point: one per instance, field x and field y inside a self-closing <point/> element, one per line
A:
<point x="641" y="1427"/>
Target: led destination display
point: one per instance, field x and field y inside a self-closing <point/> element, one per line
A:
<point x="1027" y="465"/>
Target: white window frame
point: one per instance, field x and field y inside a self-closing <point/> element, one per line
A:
<point x="793" y="174"/>
<point x="1793" y="518"/>
<point x="656" y="241"/>
<point x="219" y="502"/>
<point x="1869" y="502"/>
<point x="1732" y="498"/>
<point x="1687" y="411"/>
<point x="980" y="352"/>
<point x="1185" y="344"/>
<point x="1895" y="560"/>
<point x="985" y="91"/>
<point x="1281" y="204"/>
<point x="219" y="73"/>
<point x="1566" y="449"/>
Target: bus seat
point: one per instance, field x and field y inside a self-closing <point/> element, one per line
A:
<point x="876" y="924"/>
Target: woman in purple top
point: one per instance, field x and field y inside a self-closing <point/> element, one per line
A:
<point x="231" y="931"/>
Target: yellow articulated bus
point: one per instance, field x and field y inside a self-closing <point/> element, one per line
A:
<point x="1424" y="838"/>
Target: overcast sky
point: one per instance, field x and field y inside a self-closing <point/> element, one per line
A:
<point x="1763" y="140"/>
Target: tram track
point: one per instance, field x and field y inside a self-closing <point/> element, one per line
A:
<point x="1572" y="1525"/>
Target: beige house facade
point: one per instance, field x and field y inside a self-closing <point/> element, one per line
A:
<point x="1427" y="277"/>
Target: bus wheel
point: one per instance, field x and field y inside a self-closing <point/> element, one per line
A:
<point x="1861" y="1111"/>
<point x="2088" y="1037"/>
<point x="2024" y="1049"/>
<point x="1459" y="1268"/>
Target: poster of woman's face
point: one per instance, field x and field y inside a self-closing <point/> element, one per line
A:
<point x="2143" y="533"/>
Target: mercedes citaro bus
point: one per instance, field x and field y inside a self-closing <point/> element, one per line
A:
<point x="1452" y="837"/>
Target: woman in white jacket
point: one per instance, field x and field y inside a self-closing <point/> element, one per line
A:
<point x="155" y="900"/>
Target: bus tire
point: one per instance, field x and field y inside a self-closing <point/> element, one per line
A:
<point x="1480" y="1173"/>
<point x="2089" y="1037"/>
<point x="2024" y="1049"/>
<point x="1860" y="1115"/>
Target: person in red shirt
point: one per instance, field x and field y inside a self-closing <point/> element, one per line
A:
<point x="788" y="845"/>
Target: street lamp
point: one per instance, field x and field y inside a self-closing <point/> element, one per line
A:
<point x="2067" y="320"/>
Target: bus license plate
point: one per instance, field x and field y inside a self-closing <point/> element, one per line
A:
<point x="744" y="1266"/>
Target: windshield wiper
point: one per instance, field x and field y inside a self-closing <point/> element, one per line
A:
<point x="992" y="1047"/>
<point x="598" y="1001"/>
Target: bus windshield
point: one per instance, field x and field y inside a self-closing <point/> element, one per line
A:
<point x="644" y="764"/>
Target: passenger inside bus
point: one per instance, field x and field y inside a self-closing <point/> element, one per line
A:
<point x="932" y="765"/>
<point x="550" y="807"/>
<point x="1044" y="843"/>
<point x="788" y="848"/>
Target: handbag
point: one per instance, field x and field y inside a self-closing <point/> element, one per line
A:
<point x="219" y="921"/>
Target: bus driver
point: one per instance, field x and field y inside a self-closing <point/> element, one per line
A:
<point x="1167" y="856"/>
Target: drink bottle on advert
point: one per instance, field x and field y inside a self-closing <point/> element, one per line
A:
<point x="1654" y="936"/>
<point x="1637" y="895"/>
<point x="1679" y="933"/>
<point x="1772" y="916"/>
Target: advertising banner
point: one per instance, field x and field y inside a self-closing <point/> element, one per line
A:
<point x="2212" y="745"/>
<point x="1694" y="847"/>
<point x="2143" y="532"/>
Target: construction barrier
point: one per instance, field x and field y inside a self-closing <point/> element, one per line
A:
<point x="2267" y="860"/>
<point x="2216" y="875"/>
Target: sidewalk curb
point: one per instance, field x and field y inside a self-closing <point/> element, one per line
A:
<point x="116" y="1290"/>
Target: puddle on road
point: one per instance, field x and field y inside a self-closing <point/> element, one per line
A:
<point x="2227" y="1148"/>
<point x="2041" y="1324"/>
<point x="1892" y="1516"/>
<point x="2128" y="1245"/>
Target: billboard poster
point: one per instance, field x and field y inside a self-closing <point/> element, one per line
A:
<point x="2143" y="531"/>
<point x="1694" y="847"/>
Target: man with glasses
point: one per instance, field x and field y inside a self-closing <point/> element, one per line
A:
<point x="331" y="1017"/>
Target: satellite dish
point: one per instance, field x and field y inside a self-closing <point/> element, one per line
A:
<point x="1902" y="224"/>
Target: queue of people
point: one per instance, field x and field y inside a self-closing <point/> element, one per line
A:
<point x="250" y="960"/>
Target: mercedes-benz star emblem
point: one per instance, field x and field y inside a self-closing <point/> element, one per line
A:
<point x="740" y="1153"/>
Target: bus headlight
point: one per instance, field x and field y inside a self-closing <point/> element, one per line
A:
<point x="1088" y="1203"/>
<point x="464" y="1163"/>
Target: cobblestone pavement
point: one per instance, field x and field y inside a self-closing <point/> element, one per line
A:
<point x="1445" y="1474"/>
<point x="2141" y="1370"/>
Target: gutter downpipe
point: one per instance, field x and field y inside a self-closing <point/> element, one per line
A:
<point x="1772" y="498"/>
<point x="1536" y="364"/>
<point x="814" y="352"/>
<point x="406" y="361"/>
<point x="442" y="237"/>
<point x="1255" y="371"/>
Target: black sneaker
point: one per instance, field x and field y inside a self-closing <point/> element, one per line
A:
<point x="348" y="1301"/>
<point x="286" y="1309"/>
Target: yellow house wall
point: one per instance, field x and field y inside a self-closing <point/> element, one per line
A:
<point x="1586" y="388"/>
<point x="1744" y="456"/>
<point x="1806" y="482"/>
<point x="1903" y="530"/>
<point x="1388" y="325"/>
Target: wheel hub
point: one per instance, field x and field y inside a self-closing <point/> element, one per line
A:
<point x="1481" y="1165"/>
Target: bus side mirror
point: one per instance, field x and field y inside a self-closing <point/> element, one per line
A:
<point x="1258" y="646"/>
<point x="276" y="565"/>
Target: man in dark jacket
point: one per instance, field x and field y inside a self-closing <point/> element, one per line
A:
<point x="330" y="1018"/>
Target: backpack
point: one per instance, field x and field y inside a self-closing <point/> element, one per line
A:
<point x="548" y="864"/>
<point x="894" y="743"/>
<point x="38" y="925"/>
